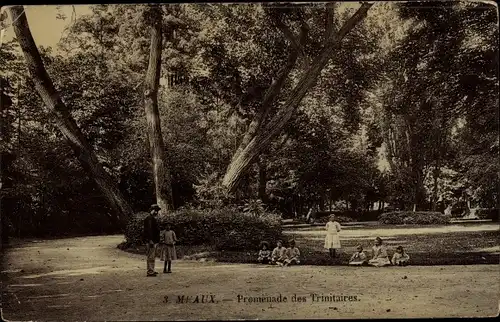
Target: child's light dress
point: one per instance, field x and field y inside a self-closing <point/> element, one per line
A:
<point x="380" y="257"/>
<point x="167" y="245"/>
<point x="292" y="255"/>
<point x="279" y="254"/>
<point x="358" y="258"/>
<point x="400" y="259"/>
<point x="332" y="239"/>
<point x="264" y="255"/>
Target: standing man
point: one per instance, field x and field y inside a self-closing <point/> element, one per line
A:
<point x="152" y="238"/>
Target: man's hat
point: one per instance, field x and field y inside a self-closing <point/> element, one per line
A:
<point x="154" y="207"/>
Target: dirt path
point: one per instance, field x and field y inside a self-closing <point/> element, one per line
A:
<point x="89" y="279"/>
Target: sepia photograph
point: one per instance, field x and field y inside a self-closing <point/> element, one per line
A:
<point x="249" y="161"/>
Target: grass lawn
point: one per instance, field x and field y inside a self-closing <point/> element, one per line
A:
<point x="426" y="245"/>
<point x="455" y="248"/>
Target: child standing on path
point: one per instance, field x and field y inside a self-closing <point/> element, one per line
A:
<point x="167" y="242"/>
<point x="332" y="239"/>
<point x="400" y="258"/>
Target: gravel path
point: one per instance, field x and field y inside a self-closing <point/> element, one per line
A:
<point x="90" y="279"/>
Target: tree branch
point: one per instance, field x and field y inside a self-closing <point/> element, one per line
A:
<point x="287" y="32"/>
<point x="272" y="92"/>
<point x="329" y="23"/>
<point x="297" y="42"/>
<point x="263" y="137"/>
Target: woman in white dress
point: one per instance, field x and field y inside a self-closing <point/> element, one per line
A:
<point x="332" y="239"/>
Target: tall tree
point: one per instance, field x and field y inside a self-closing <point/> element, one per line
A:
<point x="161" y="174"/>
<point x="60" y="114"/>
<point x="265" y="134"/>
<point x="6" y="156"/>
<point x="431" y="83"/>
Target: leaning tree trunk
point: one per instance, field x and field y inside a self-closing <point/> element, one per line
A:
<point x="265" y="135"/>
<point x="63" y="119"/>
<point x="275" y="88"/>
<point x="163" y="186"/>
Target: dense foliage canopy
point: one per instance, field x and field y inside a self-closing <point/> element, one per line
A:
<point x="404" y="113"/>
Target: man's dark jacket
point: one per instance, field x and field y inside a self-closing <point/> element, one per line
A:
<point x="151" y="229"/>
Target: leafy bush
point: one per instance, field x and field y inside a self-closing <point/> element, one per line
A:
<point x="224" y="229"/>
<point x="254" y="206"/>
<point x="371" y="215"/>
<point x="458" y="209"/>
<point x="211" y="194"/>
<point x="340" y="219"/>
<point x="485" y="213"/>
<point x="417" y="217"/>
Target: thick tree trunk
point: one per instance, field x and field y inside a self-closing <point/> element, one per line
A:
<point x="321" y="201"/>
<point x="264" y="136"/>
<point x="419" y="187"/>
<point x="163" y="186"/>
<point x="388" y="135"/>
<point x="262" y="180"/>
<point x="437" y="172"/>
<point x="3" y="101"/>
<point x="63" y="119"/>
<point x="272" y="92"/>
<point x="439" y="138"/>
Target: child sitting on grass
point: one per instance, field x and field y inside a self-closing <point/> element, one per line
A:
<point x="400" y="258"/>
<point x="359" y="257"/>
<point x="379" y="254"/>
<point x="292" y="254"/>
<point x="279" y="254"/>
<point x="264" y="253"/>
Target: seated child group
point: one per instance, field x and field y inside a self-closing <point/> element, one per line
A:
<point x="283" y="256"/>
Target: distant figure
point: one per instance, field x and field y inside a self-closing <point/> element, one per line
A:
<point x="332" y="239"/>
<point x="309" y="213"/>
<point x="167" y="247"/>
<point x="264" y="253"/>
<point x="292" y="254"/>
<point x="279" y="254"/>
<point x="379" y="254"/>
<point x="152" y="237"/>
<point x="400" y="257"/>
<point x="447" y="211"/>
<point x="359" y="257"/>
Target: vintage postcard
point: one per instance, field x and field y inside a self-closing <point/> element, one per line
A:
<point x="243" y="161"/>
